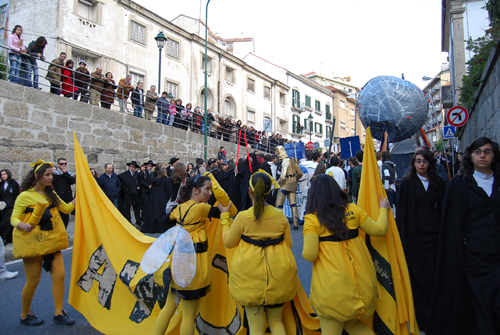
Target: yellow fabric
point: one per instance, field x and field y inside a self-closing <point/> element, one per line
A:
<point x="101" y="230"/>
<point x="395" y="299"/>
<point x="38" y="212"/>
<point x="257" y="317"/>
<point x="188" y="308"/>
<point x="40" y="162"/>
<point x="343" y="285"/>
<point x="33" y="271"/>
<point x="335" y="327"/>
<point x="38" y="242"/>
<point x="198" y="213"/>
<point x="261" y="276"/>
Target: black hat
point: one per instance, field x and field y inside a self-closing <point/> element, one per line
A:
<point x="134" y="163"/>
<point x="150" y="162"/>
<point x="173" y="160"/>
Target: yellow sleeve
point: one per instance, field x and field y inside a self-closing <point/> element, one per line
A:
<point x="231" y="235"/>
<point x="288" y="235"/>
<point x="311" y="239"/>
<point x="375" y="228"/>
<point x="22" y="202"/>
<point x="64" y="207"/>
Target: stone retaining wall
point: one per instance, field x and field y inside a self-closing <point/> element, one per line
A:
<point x="35" y="124"/>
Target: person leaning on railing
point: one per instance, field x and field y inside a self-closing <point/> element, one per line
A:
<point x="69" y="90"/>
<point x="124" y="88"/>
<point x="35" y="50"/>
<point x="82" y="80"/>
<point x="96" y="85"/>
<point x="149" y="106"/>
<point x="108" y="91"/>
<point x="54" y="73"/>
<point x="138" y="100"/>
<point x="16" y="47"/>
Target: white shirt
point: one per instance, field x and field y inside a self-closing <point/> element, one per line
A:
<point x="484" y="181"/>
<point x="339" y="176"/>
<point x="425" y="181"/>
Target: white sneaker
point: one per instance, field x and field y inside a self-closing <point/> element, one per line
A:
<point x="8" y="275"/>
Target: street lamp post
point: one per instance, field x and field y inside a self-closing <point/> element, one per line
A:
<point x="160" y="41"/>
<point x="205" y="89"/>
<point x="310" y="117"/>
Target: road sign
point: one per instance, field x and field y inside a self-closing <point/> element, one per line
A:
<point x="309" y="145"/>
<point x="316" y="145"/>
<point x="449" y="131"/>
<point x="457" y="116"/>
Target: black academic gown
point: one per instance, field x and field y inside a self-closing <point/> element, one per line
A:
<point x="129" y="195"/>
<point x="418" y="220"/>
<point x="9" y="195"/>
<point x="145" y="179"/>
<point x="468" y="259"/>
<point x="161" y="193"/>
<point x="244" y="173"/>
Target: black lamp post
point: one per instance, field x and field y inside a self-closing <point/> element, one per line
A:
<point x="160" y="41"/>
<point x="310" y="126"/>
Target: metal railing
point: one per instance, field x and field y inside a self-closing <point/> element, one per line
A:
<point x="96" y="90"/>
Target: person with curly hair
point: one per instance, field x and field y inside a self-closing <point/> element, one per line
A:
<point x="35" y="214"/>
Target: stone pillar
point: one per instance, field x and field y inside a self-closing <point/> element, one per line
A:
<point x="457" y="17"/>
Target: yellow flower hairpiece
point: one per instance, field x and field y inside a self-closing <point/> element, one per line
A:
<point x="39" y="163"/>
<point x="273" y="181"/>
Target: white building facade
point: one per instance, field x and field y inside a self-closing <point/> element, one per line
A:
<point x="118" y="35"/>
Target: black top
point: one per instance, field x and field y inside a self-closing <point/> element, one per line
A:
<point x="62" y="182"/>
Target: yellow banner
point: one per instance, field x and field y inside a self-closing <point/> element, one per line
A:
<point x="395" y="313"/>
<point x="109" y="288"/>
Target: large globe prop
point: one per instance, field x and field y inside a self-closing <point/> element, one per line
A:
<point x="394" y="105"/>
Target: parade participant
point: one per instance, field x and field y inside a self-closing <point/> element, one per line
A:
<point x="419" y="204"/>
<point x="9" y="191"/>
<point x="191" y="214"/>
<point x="344" y="281"/>
<point x="63" y="179"/>
<point x="130" y="188"/>
<point x="154" y="210"/>
<point x="145" y="179"/>
<point x="290" y="175"/>
<point x="36" y="213"/>
<point x="466" y="294"/>
<point x="263" y="270"/>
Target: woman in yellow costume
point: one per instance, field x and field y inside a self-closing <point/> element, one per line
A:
<point x="344" y="282"/>
<point x="192" y="215"/>
<point x="39" y="238"/>
<point x="263" y="270"/>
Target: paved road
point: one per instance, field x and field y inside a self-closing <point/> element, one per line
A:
<point x="10" y="293"/>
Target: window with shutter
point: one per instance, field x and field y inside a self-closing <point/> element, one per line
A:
<point x="308" y="101"/>
<point x="137" y="32"/>
<point x="172" y="48"/>
<point x="267" y="92"/>
<point x="251" y="85"/>
<point x="317" y="105"/>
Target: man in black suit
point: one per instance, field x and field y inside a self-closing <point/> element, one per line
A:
<point x="130" y="192"/>
<point x="62" y="181"/>
<point x="172" y="163"/>
<point x="146" y="178"/>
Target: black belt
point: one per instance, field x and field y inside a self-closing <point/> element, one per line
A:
<point x="261" y="243"/>
<point x="290" y="176"/>
<point x="352" y="233"/>
<point x="200" y="247"/>
<point x="45" y="222"/>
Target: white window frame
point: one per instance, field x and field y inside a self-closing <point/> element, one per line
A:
<point x="353" y="112"/>
<point x="137" y="28"/>
<point x="209" y="63"/>
<point x="172" y="48"/>
<point x="282" y="98"/>
<point x="172" y="88"/>
<point x="91" y="8"/>
<point x="342" y="125"/>
<point x="251" y="115"/>
<point x="136" y="77"/>
<point x="342" y="104"/>
<point x="229" y="75"/>
<point x="267" y="89"/>
<point x="252" y="82"/>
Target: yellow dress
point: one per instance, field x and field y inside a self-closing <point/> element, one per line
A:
<point x="261" y="275"/>
<point x="194" y="223"/>
<point x="344" y="282"/>
<point x="38" y="242"/>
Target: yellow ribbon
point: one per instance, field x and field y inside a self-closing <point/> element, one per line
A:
<point x="273" y="181"/>
<point x="40" y="162"/>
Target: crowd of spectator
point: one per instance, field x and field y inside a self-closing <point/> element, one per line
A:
<point x="99" y="88"/>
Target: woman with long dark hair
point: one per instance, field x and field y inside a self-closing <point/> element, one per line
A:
<point x="68" y="80"/>
<point x="466" y="294"/>
<point x="34" y="51"/>
<point x="35" y="214"/>
<point x="9" y="191"/>
<point x="263" y="270"/>
<point x="344" y="282"/>
<point x="244" y="171"/>
<point x="160" y="194"/>
<point x="419" y="206"/>
<point x="192" y="215"/>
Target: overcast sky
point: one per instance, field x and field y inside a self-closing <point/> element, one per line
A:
<point x="357" y="38"/>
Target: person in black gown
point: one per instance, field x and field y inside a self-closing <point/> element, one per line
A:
<point x="9" y="190"/>
<point x="244" y="172"/>
<point x="466" y="294"/>
<point x="419" y="205"/>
